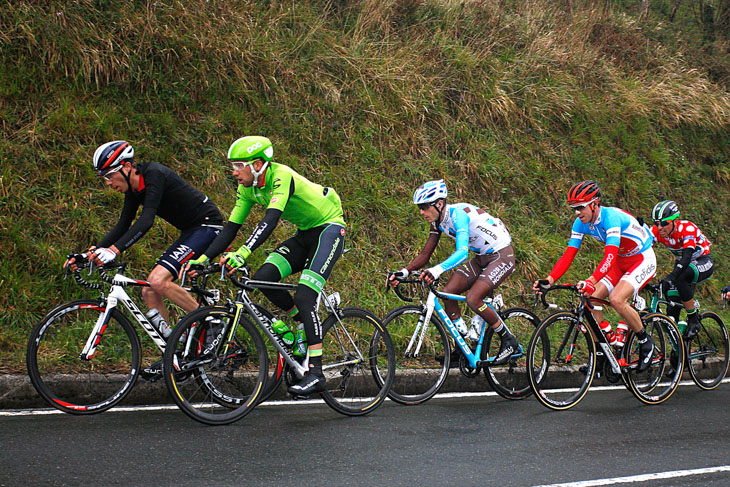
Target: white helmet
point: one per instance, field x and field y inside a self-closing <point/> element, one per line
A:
<point x="430" y="191"/>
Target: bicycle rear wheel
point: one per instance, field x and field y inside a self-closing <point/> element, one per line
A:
<point x="352" y="352"/>
<point x="78" y="386"/>
<point x="658" y="382"/>
<point x="212" y="379"/>
<point x="707" y="353"/>
<point x="510" y="380"/>
<point x="418" y="377"/>
<point x="561" y="361"/>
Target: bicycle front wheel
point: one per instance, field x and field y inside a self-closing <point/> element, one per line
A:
<point x="355" y="345"/>
<point x="83" y="386"/>
<point x="421" y="371"/>
<point x="561" y="361"/>
<point x="707" y="353"/>
<point x="215" y="376"/>
<point x="510" y="380"/>
<point x="659" y="381"/>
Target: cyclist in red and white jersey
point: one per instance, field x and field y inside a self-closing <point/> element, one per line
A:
<point x="628" y="262"/>
<point x="693" y="264"/>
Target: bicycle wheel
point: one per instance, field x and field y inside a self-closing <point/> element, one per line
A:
<point x="561" y="361"/>
<point x="351" y="351"/>
<point x="212" y="379"/>
<point x="510" y="380"/>
<point x="79" y="386"/>
<point x="418" y="376"/>
<point x="653" y="386"/>
<point x="707" y="353"/>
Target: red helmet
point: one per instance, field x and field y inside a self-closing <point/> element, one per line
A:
<point x="584" y="193"/>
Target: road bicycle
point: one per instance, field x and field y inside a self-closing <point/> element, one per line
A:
<point x="707" y="355"/>
<point x="84" y="356"/>
<point x="423" y="347"/>
<point x="219" y="372"/>
<point x="563" y="356"/>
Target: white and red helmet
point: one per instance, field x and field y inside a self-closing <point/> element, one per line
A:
<point x="112" y="155"/>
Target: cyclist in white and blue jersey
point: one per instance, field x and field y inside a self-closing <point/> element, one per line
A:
<point x="628" y="261"/>
<point x="474" y="230"/>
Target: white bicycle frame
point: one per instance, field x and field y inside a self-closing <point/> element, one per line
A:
<point x="116" y="295"/>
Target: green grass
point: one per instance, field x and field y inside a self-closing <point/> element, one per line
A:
<point x="509" y="101"/>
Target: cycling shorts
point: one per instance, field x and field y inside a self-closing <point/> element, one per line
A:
<point x="191" y="243"/>
<point x="492" y="268"/>
<point x="637" y="270"/>
<point x="313" y="252"/>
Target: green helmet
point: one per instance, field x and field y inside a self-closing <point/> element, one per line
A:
<point x="250" y="148"/>
<point x="665" y="211"/>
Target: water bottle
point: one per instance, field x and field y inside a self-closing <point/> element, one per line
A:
<point x="159" y="322"/>
<point x="283" y="331"/>
<point x="619" y="338"/>
<point x="606" y="328"/>
<point x="461" y="326"/>
<point x="300" y="350"/>
<point x="476" y="328"/>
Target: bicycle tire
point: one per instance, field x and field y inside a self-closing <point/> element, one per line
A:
<point x="417" y="379"/>
<point x="351" y="352"/>
<point x="651" y="386"/>
<point x="560" y="379"/>
<point x="707" y="353"/>
<point x="510" y="380"/>
<point x="78" y="386"/>
<point x="212" y="380"/>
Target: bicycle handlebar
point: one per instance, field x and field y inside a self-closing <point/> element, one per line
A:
<point x="585" y="300"/>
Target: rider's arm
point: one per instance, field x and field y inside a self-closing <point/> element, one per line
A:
<point x="609" y="257"/>
<point x="422" y="259"/>
<point x="461" y="225"/>
<point x="681" y="263"/>
<point x="223" y="240"/>
<point x="125" y="220"/>
<point x="283" y="189"/>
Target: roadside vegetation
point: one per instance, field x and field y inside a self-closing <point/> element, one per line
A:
<point x="509" y="101"/>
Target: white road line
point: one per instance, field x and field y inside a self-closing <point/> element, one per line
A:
<point x="289" y="402"/>
<point x="642" y="478"/>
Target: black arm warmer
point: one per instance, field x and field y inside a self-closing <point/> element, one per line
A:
<point x="264" y="228"/>
<point x="223" y="240"/>
<point x="682" y="263"/>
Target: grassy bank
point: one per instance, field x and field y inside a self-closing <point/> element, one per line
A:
<point x="509" y="101"/>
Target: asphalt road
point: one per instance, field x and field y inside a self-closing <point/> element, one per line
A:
<point x="464" y="440"/>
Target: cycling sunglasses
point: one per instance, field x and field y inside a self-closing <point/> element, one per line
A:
<point x="238" y="165"/>
<point x="661" y="223"/>
<point x="424" y="206"/>
<point x="108" y="175"/>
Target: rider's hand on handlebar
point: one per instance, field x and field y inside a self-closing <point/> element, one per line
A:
<point x="103" y="255"/>
<point x="541" y="285"/>
<point x="586" y="287"/>
<point x="394" y="278"/>
<point x="428" y="277"/>
<point x="193" y="266"/>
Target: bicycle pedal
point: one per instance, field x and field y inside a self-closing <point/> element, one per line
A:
<point x="296" y="397"/>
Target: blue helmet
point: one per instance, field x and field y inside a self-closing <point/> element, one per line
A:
<point x="430" y="192"/>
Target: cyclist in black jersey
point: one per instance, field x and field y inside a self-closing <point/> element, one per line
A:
<point x="160" y="192"/>
<point x="313" y="250"/>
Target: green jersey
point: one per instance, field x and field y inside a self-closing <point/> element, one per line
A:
<point x="302" y="202"/>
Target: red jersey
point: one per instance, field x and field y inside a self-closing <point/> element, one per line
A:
<point x="686" y="235"/>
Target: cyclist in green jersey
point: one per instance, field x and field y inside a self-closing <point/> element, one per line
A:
<point x="313" y="250"/>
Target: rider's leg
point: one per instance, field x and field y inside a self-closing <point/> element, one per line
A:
<point x="162" y="285"/>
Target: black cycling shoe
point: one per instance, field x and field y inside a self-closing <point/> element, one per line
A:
<point x="509" y="347"/>
<point x="454" y="358"/>
<point x="152" y="372"/>
<point x="309" y="384"/>
<point x="693" y="327"/>
<point x="645" y="353"/>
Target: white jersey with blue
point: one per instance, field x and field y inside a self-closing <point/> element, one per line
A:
<point x="614" y="227"/>
<point x="473" y="229"/>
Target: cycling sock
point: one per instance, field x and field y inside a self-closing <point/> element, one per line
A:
<point x="315" y="361"/>
<point x="642" y="335"/>
<point x="501" y="330"/>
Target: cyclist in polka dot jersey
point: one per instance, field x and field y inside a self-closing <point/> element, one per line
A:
<point x="693" y="264"/>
